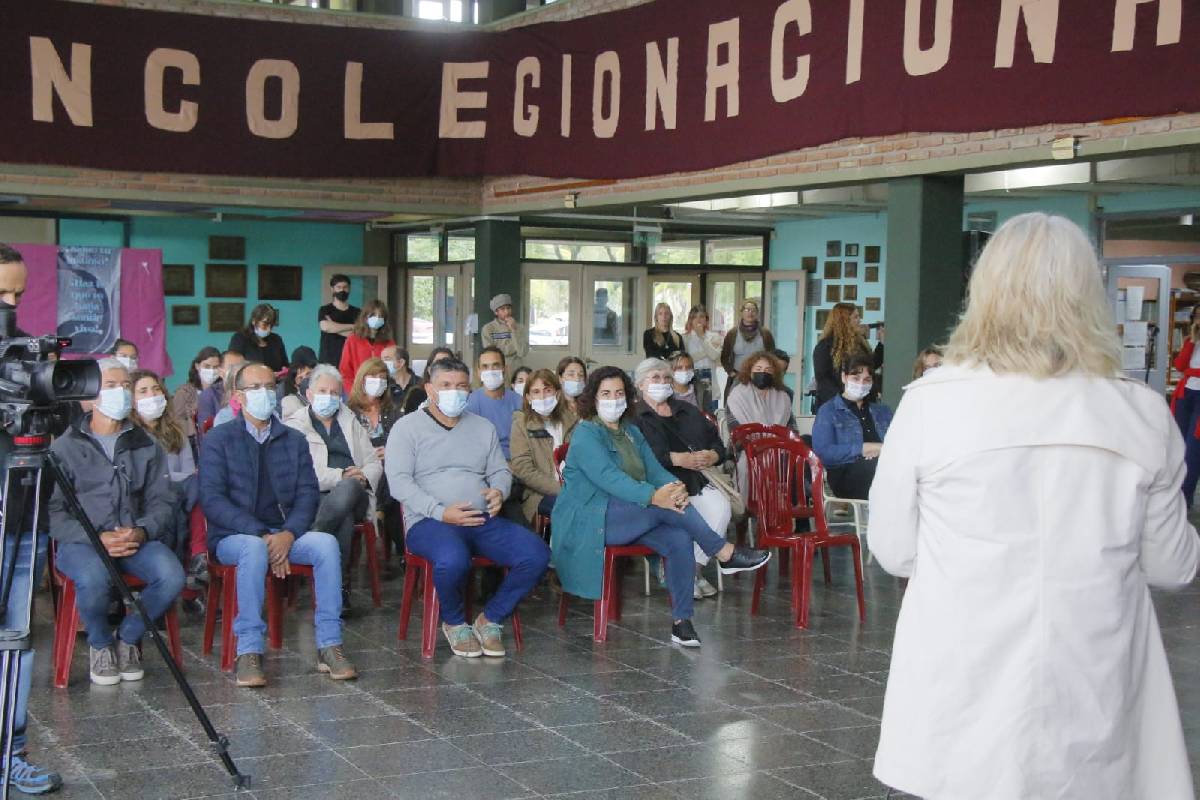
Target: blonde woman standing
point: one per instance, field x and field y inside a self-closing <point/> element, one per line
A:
<point x="1032" y="497"/>
<point x="661" y="340"/>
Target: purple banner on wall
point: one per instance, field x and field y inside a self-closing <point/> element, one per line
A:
<point x="89" y="298"/>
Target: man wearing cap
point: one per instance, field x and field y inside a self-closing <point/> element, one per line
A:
<point x="506" y="334"/>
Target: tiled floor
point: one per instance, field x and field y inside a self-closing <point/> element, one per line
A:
<point x="762" y="711"/>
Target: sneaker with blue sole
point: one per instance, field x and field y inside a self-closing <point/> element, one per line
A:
<point x="30" y="779"/>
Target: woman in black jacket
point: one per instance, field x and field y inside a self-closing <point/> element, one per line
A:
<point x="257" y="342"/>
<point x="661" y="341"/>
<point x="840" y="340"/>
<point x="685" y="443"/>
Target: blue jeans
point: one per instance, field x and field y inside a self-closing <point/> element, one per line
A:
<point x="449" y="549"/>
<point x="249" y="553"/>
<point x="17" y="609"/>
<point x="1187" y="415"/>
<point x="154" y="563"/>
<point x="670" y="534"/>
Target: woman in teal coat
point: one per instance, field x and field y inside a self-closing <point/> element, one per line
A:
<point x="615" y="492"/>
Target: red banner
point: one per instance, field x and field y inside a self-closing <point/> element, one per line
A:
<point x="672" y="85"/>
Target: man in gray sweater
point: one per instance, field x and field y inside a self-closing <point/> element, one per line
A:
<point x="445" y="467"/>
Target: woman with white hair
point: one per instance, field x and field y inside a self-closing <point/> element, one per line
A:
<point x="685" y="444"/>
<point x="1032" y="497"/>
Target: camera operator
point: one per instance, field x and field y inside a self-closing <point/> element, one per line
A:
<point x="120" y="476"/>
<point x="25" y="776"/>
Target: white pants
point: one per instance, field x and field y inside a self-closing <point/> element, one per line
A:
<point x="715" y="510"/>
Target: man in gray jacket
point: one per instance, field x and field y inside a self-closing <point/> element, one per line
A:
<point x="120" y="475"/>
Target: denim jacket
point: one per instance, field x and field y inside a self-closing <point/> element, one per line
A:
<point x="838" y="435"/>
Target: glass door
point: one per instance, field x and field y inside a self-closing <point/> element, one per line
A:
<point x="726" y="291"/>
<point x="679" y="291"/>
<point x="783" y="316"/>
<point x="551" y="299"/>
<point x="1140" y="298"/>
<point x="439" y="302"/>
<point x="613" y="300"/>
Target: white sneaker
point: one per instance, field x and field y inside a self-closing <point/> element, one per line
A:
<point x="705" y="588"/>
<point x="697" y="592"/>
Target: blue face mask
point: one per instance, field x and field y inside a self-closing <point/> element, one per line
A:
<point x="375" y="323"/>
<point x="260" y="403"/>
<point x="452" y="402"/>
<point x="326" y="405"/>
<point x="115" y="402"/>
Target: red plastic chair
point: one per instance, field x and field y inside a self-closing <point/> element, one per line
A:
<point x="365" y="537"/>
<point x="431" y="608"/>
<point x="608" y="607"/>
<point x="541" y="522"/>
<point x="67" y="624"/>
<point x="222" y="593"/>
<point x="780" y="500"/>
<point x="749" y="432"/>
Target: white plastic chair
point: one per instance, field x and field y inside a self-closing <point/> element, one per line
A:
<point x="859" y="511"/>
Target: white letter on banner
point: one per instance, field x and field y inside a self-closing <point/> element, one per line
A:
<point x="724" y="74"/>
<point x="1170" y="23"/>
<point x="352" y="125"/>
<point x="157" y="63"/>
<point x="256" y="98"/>
<point x="918" y="61"/>
<point x="50" y="78"/>
<point x="854" y="42"/>
<point x="1041" y="25"/>
<point x="798" y="13"/>
<point x="662" y="84"/>
<point x="453" y="100"/>
<point x="608" y="66"/>
<point x="525" y="118"/>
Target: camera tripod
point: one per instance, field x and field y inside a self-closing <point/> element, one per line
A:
<point x="34" y="471"/>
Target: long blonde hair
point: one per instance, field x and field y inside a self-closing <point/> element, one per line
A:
<point x="847" y="338"/>
<point x="1036" y="304"/>
<point x="660" y="336"/>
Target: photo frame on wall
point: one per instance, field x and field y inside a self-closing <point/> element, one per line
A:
<point x="833" y="270"/>
<point x="874" y="304"/>
<point x="226" y="317"/>
<point x="227" y="248"/>
<point x="809" y="263"/>
<point x="850" y="270"/>
<point x="850" y="293"/>
<point x="185" y="315"/>
<point x="872" y="253"/>
<point x="179" y="280"/>
<point x="833" y="293"/>
<point x="225" y="280"/>
<point x="851" y="251"/>
<point x="872" y="274"/>
<point x="280" y="282"/>
<point x="833" y="249"/>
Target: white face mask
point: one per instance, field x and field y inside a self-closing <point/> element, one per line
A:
<point x="492" y="379"/>
<point x="519" y="388"/>
<point x="391" y="366"/>
<point x="115" y="402"/>
<point x="152" y="407"/>
<point x="262" y="333"/>
<point x="610" y="410"/>
<point x="572" y="388"/>
<point x="374" y="322"/>
<point x="857" y="391"/>
<point x="683" y="377"/>
<point x="208" y="375"/>
<point x="659" y="392"/>
<point x="452" y="402"/>
<point x="128" y="362"/>
<point x="544" y="405"/>
<point x="374" y="386"/>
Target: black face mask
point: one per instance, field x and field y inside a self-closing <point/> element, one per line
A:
<point x="303" y="386"/>
<point x="341" y="296"/>
<point x="762" y="380"/>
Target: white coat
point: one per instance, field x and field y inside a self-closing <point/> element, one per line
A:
<point x="1031" y="516"/>
<point x="361" y="450"/>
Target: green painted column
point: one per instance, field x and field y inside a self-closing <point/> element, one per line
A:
<point x="497" y="267"/>
<point x="924" y="271"/>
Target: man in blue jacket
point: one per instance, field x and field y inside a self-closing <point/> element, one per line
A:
<point x="848" y="431"/>
<point x="259" y="493"/>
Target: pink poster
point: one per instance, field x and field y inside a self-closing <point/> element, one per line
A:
<point x="143" y="313"/>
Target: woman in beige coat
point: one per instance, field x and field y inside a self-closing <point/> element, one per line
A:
<point x="1033" y="498"/>
<point x="544" y="423"/>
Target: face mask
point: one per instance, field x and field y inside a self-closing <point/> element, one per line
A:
<point x="610" y="410"/>
<point x="302" y="386"/>
<point x="659" y="391"/>
<point x="573" y="388"/>
<point x="326" y="405"/>
<point x="683" y="377"/>
<point x="374" y="386"/>
<point x="452" y="402"/>
<point x="492" y="379"/>
<point x="762" y="380"/>
<point x="259" y="403"/>
<point x="544" y="405"/>
<point x="391" y="367"/>
<point x="208" y="375"/>
<point x="857" y="391"/>
<point x="341" y="297"/>
<point x="519" y="388"/>
<point x="115" y="403"/>
<point x="127" y="362"/>
<point x="262" y="333"/>
<point x="151" y="407"/>
<point x="374" y="323"/>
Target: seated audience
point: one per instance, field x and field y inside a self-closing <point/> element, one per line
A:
<point x="232" y="405"/>
<point x="683" y="375"/>
<point x="260" y="494"/>
<point x="542" y="425"/>
<point x="120" y="476"/>
<point x="125" y="352"/>
<point x="294" y="385"/>
<point x="616" y="493"/>
<point x="203" y="373"/>
<point x="760" y="397"/>
<point x="373" y="407"/>
<point x="572" y="374"/>
<point x="370" y="336"/>
<point x="494" y="401"/>
<point x="685" y="443"/>
<point x="445" y="467"/>
<point x="212" y="399"/>
<point x="419" y="394"/>
<point x="401" y="379"/>
<point x="347" y="467"/>
<point x="930" y="358"/>
<point x="849" y="430"/>
<point x="256" y="342"/>
<point x="520" y="377"/>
